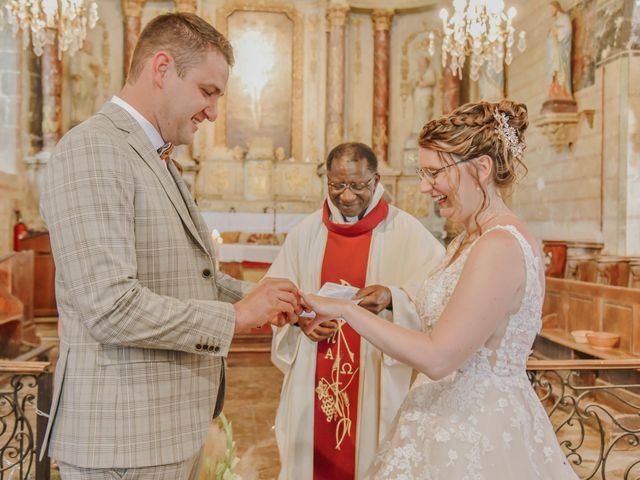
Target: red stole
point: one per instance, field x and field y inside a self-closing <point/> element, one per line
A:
<point x="337" y="379"/>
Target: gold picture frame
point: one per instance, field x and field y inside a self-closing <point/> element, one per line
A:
<point x="222" y="18"/>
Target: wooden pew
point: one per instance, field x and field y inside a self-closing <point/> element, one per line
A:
<point x="17" y="327"/>
<point x="573" y="305"/>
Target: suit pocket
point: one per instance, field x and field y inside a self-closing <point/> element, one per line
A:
<point x="118" y="355"/>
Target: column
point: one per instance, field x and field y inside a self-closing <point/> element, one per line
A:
<point x="184" y="153"/>
<point x="132" y="11"/>
<point x="51" y="66"/>
<point x="450" y="91"/>
<point x="450" y="101"/>
<point x="381" y="49"/>
<point x="336" y="17"/>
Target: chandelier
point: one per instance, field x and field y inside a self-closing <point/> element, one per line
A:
<point x="480" y="30"/>
<point x="49" y="20"/>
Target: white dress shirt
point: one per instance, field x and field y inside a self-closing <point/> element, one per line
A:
<point x="153" y="134"/>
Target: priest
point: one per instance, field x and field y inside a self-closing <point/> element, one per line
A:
<point x="339" y="393"/>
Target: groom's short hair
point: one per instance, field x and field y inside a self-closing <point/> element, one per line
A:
<point x="354" y="151"/>
<point x="185" y="36"/>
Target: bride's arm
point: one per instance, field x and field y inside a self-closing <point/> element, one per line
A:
<point x="490" y="288"/>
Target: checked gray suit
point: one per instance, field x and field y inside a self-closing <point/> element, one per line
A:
<point x="146" y="318"/>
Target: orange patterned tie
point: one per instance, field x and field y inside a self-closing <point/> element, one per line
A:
<point x="165" y="151"/>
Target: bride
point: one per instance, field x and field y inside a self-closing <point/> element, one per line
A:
<point x="472" y="413"/>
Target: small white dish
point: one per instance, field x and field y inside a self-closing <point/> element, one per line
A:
<point x="580" y="336"/>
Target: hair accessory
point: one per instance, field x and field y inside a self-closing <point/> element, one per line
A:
<point x="508" y="133"/>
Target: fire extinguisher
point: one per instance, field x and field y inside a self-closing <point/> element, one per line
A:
<point x="19" y="231"/>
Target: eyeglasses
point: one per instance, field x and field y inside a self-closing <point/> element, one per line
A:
<point x="355" y="187"/>
<point x="431" y="175"/>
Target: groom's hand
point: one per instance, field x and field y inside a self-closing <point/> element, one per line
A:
<point x="282" y="319"/>
<point x="374" y="298"/>
<point x="273" y="298"/>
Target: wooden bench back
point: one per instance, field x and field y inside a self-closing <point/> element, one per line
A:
<point x="590" y="306"/>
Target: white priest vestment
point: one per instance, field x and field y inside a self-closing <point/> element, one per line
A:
<point x="401" y="255"/>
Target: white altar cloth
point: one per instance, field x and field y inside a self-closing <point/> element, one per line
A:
<point x="247" y="252"/>
<point x="251" y="222"/>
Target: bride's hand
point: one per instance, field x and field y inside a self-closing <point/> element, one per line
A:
<point x="324" y="308"/>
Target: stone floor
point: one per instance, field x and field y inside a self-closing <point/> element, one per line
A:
<point x="253" y="391"/>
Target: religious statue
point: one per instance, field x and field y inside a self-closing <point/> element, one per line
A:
<point x="422" y="96"/>
<point x="280" y="154"/>
<point x="559" y="53"/>
<point x="84" y="72"/>
<point x="238" y="153"/>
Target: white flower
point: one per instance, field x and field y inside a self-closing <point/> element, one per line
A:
<point x="442" y="435"/>
<point x="453" y="456"/>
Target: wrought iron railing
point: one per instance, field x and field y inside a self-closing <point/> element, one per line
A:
<point x="25" y="390"/>
<point x="594" y="406"/>
<point x="597" y="420"/>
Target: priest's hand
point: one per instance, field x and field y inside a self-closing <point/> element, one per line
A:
<point x="272" y="298"/>
<point x="321" y="332"/>
<point x="326" y="309"/>
<point x="374" y="298"/>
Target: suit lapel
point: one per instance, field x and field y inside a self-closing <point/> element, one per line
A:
<point x="194" y="213"/>
<point x="139" y="141"/>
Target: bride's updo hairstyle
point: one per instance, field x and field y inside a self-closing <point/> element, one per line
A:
<point x="482" y="128"/>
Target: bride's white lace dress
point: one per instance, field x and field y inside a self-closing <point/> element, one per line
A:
<point x="484" y="421"/>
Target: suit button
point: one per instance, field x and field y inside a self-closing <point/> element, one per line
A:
<point x="198" y="346"/>
<point x="206" y="273"/>
<point x="205" y="347"/>
<point x="212" y="348"/>
<point x="216" y="349"/>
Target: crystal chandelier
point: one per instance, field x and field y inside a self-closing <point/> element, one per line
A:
<point x="48" y="20"/>
<point x="481" y="30"/>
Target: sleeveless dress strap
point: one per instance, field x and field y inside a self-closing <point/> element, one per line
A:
<point x="532" y="263"/>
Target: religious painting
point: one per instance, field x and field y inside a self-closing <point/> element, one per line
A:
<point x="89" y="75"/>
<point x="612" y="28"/>
<point x="259" y="102"/>
<point x="420" y="76"/>
<point x="264" y="93"/>
<point x="634" y="37"/>
<point x="601" y="30"/>
<point x="583" y="64"/>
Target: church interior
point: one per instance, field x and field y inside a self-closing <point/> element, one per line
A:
<point x="311" y="74"/>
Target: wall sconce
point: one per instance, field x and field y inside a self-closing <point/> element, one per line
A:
<point x="561" y="129"/>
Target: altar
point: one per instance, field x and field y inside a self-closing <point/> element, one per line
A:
<point x="247" y="243"/>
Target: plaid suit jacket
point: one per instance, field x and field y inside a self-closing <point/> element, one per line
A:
<point x="146" y="318"/>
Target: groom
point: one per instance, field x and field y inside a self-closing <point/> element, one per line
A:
<point x="146" y="317"/>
